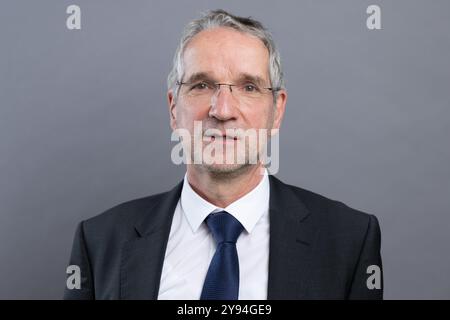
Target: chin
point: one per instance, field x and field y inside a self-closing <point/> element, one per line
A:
<point x="226" y="169"/>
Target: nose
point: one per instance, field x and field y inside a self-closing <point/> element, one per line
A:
<point x="223" y="104"/>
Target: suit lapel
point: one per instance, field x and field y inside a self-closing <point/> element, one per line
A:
<point x="292" y="235"/>
<point x="142" y="258"/>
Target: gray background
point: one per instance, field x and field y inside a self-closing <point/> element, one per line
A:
<point x="84" y="123"/>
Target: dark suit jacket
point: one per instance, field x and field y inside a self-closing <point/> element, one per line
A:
<point x="319" y="248"/>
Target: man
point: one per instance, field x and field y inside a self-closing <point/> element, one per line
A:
<point x="229" y="230"/>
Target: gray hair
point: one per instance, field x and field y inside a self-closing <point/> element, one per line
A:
<point x="221" y="18"/>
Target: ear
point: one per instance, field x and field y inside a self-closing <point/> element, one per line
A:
<point x="172" y="109"/>
<point x="280" y="107"/>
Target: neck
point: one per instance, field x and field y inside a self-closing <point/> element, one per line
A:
<point x="223" y="189"/>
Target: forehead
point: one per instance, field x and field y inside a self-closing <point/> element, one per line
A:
<point x="226" y="54"/>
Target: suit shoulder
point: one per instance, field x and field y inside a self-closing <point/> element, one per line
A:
<point x="332" y="212"/>
<point x="123" y="214"/>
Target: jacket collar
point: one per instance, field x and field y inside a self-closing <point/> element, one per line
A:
<point x="143" y="257"/>
<point x="293" y="230"/>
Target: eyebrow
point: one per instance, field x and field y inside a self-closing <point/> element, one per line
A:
<point x="199" y="76"/>
<point x="243" y="77"/>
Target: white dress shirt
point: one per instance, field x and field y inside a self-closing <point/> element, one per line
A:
<point x="191" y="246"/>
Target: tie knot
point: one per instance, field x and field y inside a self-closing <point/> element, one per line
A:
<point x="224" y="227"/>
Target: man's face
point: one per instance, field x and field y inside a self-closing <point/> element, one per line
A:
<point x="224" y="55"/>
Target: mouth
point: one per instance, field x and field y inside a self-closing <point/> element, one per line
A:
<point x="224" y="138"/>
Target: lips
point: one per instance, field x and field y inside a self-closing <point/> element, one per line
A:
<point x="223" y="137"/>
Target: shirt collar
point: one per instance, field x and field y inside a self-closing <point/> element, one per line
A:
<point x="247" y="210"/>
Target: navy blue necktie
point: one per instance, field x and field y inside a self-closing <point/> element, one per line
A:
<point x="222" y="279"/>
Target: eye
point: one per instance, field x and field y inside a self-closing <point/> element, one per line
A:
<point x="200" y="86"/>
<point x="250" y="87"/>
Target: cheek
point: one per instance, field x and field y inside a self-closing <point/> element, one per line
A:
<point x="187" y="114"/>
<point x="262" y="118"/>
<point x="271" y="116"/>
